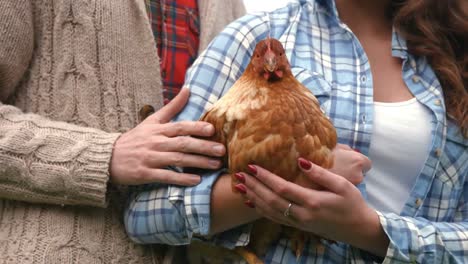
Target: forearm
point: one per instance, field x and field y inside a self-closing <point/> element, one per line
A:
<point x="44" y="161"/>
<point x="228" y="209"/>
<point x="370" y="236"/>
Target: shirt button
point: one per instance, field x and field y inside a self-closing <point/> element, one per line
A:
<point x="363" y="119"/>
<point x="418" y="202"/>
<point x="438" y="152"/>
<point x="415" y="78"/>
<point x="363" y="78"/>
<point x="413" y="64"/>
<point x="437" y="102"/>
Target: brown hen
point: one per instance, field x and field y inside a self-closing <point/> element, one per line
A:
<point x="270" y="119"/>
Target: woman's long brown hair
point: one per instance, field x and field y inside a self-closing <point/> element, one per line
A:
<point x="438" y="30"/>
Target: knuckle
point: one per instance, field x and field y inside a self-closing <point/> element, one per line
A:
<point x="178" y="128"/>
<point x="155" y="119"/>
<point x="152" y="129"/>
<point x="270" y="200"/>
<point x="159" y="143"/>
<point x="342" y="186"/>
<point x="140" y="174"/>
<point x="183" y="144"/>
<point x="282" y="190"/>
<point x="177" y="159"/>
<point x="145" y="157"/>
<point x="360" y="162"/>
<point x="313" y="204"/>
<point x="306" y="217"/>
<point x="163" y="177"/>
<point x="252" y="187"/>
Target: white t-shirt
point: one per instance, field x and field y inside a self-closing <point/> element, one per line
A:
<point x="399" y="146"/>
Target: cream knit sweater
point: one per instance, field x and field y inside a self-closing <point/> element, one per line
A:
<point x="73" y="75"/>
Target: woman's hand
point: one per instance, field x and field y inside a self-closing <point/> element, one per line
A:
<point x="350" y="163"/>
<point x="337" y="212"/>
<point x="140" y="155"/>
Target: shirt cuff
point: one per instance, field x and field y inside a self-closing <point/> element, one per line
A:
<point x="197" y="200"/>
<point x="398" y="230"/>
<point x="236" y="237"/>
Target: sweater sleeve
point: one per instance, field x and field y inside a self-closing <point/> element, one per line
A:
<point x="41" y="160"/>
<point x="52" y="162"/>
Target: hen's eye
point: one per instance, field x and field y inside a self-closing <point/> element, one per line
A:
<point x="258" y="56"/>
<point x="281" y="53"/>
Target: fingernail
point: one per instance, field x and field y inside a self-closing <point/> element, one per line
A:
<point x="252" y="169"/>
<point x="240" y="177"/>
<point x="305" y="164"/>
<point x="208" y="129"/>
<point x="249" y="204"/>
<point x="214" y="163"/>
<point x="218" y="149"/>
<point x="195" y="180"/>
<point x="241" y="188"/>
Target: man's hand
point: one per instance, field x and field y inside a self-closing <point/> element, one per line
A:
<point x="141" y="154"/>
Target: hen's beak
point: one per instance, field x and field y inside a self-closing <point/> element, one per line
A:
<point x="270" y="61"/>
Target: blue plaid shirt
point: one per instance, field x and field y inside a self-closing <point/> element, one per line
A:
<point x="328" y="59"/>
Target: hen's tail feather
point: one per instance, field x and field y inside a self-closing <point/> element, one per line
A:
<point x="146" y="111"/>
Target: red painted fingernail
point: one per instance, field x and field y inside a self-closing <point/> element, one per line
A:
<point x="252" y="169"/>
<point x="249" y="204"/>
<point x="305" y="164"/>
<point x="357" y="150"/>
<point x="241" y="188"/>
<point x="240" y="177"/>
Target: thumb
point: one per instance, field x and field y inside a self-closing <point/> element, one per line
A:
<point x="168" y="112"/>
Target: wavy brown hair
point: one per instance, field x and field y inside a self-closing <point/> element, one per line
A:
<point x="438" y="30"/>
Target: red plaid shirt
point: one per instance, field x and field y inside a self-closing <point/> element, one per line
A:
<point x="175" y="25"/>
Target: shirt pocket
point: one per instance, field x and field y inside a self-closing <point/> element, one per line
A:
<point x="454" y="158"/>
<point x="450" y="176"/>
